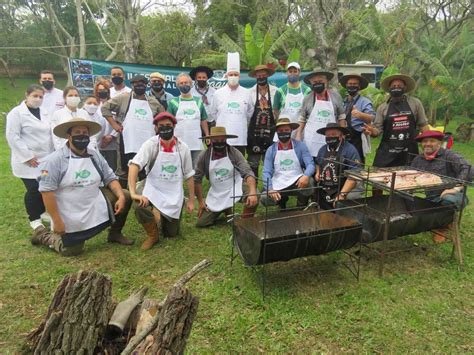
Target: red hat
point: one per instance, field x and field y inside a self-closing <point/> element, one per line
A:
<point x="430" y="134"/>
<point x="164" y="116"/>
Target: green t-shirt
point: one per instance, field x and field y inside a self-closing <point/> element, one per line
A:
<point x="280" y="95"/>
<point x="173" y="106"/>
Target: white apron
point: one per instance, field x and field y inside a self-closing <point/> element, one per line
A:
<point x="221" y="176"/>
<point x="188" y="128"/>
<point x="234" y="118"/>
<point x="321" y="115"/>
<point x="287" y="169"/>
<point x="292" y="108"/>
<point x="137" y="126"/>
<point x="80" y="203"/>
<point x="164" y="183"/>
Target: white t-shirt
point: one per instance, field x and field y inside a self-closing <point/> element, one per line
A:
<point x="61" y="116"/>
<point x="52" y="101"/>
<point x="114" y="92"/>
<point x="210" y="96"/>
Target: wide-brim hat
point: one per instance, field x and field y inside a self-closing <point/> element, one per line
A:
<point x="333" y="125"/>
<point x="157" y="75"/>
<point x="265" y="67"/>
<point x="318" y="71"/>
<point x="362" y="81"/>
<point x="61" y="130"/>
<point x="284" y="121"/>
<point x="218" y="131"/>
<point x="430" y="134"/>
<point x="201" y="69"/>
<point x="408" y="80"/>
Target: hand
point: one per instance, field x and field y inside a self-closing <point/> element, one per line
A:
<point x="339" y="197"/>
<point x="119" y="205"/>
<point x="369" y="129"/>
<point x="317" y="177"/>
<point x="106" y="141"/>
<point x="59" y="227"/>
<point x="274" y="195"/>
<point x="302" y="182"/>
<point x="202" y="208"/>
<point x="141" y="200"/>
<point x="251" y="201"/>
<point x="355" y="113"/>
<point x="449" y="192"/>
<point x="117" y="126"/>
<point x="343" y="123"/>
<point x="190" y="205"/>
<point x="33" y="162"/>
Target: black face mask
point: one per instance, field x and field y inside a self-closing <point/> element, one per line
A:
<point x="80" y="142"/>
<point x="166" y="132"/>
<point x="201" y="83"/>
<point x="332" y="142"/>
<point x="157" y="86"/>
<point x="103" y="94"/>
<point x="47" y="84"/>
<point x="262" y="81"/>
<point x="219" y="146"/>
<point x="284" y="136"/>
<point x="396" y="92"/>
<point x="352" y="90"/>
<point x="139" y="90"/>
<point x="117" y="80"/>
<point x="318" y="87"/>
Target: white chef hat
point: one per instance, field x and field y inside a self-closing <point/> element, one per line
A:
<point x="233" y="62"/>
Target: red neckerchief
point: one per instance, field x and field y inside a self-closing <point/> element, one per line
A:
<point x="431" y="156"/>
<point x="280" y="146"/>
<point x="218" y="155"/>
<point x="167" y="147"/>
<point x="324" y="97"/>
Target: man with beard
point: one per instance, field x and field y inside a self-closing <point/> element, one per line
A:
<point x="201" y="89"/>
<point x="157" y="89"/>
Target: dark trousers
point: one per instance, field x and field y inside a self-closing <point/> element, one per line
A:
<point x="254" y="161"/>
<point x="33" y="201"/>
<point x="111" y="158"/>
<point x="356" y="140"/>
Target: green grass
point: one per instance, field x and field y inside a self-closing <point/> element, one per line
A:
<point x="423" y="304"/>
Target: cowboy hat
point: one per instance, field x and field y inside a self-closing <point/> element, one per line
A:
<point x="62" y="130"/>
<point x="201" y="69"/>
<point x="430" y="134"/>
<point x="157" y="75"/>
<point x="265" y="67"/>
<point x="363" y="82"/>
<point x="218" y="131"/>
<point x="283" y="121"/>
<point x="408" y="80"/>
<point x="333" y="125"/>
<point x="318" y="71"/>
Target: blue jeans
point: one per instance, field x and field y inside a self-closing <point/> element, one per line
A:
<point x="449" y="199"/>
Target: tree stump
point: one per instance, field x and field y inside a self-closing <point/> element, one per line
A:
<point x="77" y="316"/>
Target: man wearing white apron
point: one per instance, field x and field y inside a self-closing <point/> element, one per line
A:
<point x="288" y="168"/>
<point x="203" y="90"/>
<point x="233" y="106"/>
<point x="319" y="109"/>
<point x="71" y="182"/>
<point x="167" y="162"/>
<point x="227" y="170"/>
<point x="132" y="114"/>
<point x="190" y="115"/>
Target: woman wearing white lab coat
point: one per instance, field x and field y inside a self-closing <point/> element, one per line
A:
<point x="91" y="106"/>
<point x="29" y="137"/>
<point x="70" y="110"/>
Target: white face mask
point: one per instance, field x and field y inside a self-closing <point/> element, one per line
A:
<point x="233" y="80"/>
<point x="91" y="108"/>
<point x="33" y="102"/>
<point x="73" y="101"/>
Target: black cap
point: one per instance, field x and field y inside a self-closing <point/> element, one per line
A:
<point x="138" y="78"/>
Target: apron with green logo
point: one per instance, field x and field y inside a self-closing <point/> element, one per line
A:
<point x="137" y="126"/>
<point x="188" y="128"/>
<point x="287" y="169"/>
<point x="320" y="116"/>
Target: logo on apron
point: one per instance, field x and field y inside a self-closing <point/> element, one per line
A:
<point x="233" y="105"/>
<point x="140" y="114"/>
<point x="169" y="168"/>
<point x="222" y="172"/>
<point x="295" y="104"/>
<point x="82" y="174"/>
<point x="286" y="162"/>
<point x="189" y="112"/>
<point x="324" y="113"/>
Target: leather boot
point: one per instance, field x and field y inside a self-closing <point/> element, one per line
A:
<point x="116" y="236"/>
<point x="152" y="235"/>
<point x="40" y="236"/>
<point x="248" y="212"/>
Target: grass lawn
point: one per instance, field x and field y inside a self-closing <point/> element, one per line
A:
<point x="423" y="304"/>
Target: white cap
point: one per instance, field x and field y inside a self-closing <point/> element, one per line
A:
<point x="233" y="62"/>
<point x="294" y="65"/>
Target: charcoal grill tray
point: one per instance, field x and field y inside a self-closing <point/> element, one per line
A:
<point x="298" y="234"/>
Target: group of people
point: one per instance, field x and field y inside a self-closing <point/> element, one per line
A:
<point x="83" y="167"/>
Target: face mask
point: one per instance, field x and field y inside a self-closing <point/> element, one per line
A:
<point x="33" y="102"/>
<point x="139" y="90"/>
<point x="157" y="86"/>
<point x="184" y="89"/>
<point x="233" y="80"/>
<point x="396" y="92"/>
<point x="117" y="80"/>
<point x="166" y="132"/>
<point x="202" y="83"/>
<point x="284" y="136"/>
<point x="91" y="108"/>
<point x="47" y="84"/>
<point x="73" y="101"/>
<point x="332" y="142"/>
<point x="103" y="94"/>
<point x="293" y="78"/>
<point x="352" y="90"/>
<point x="80" y="141"/>
<point x="262" y="81"/>
<point x="318" y="87"/>
<point x="219" y="146"/>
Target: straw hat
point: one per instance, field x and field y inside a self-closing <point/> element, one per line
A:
<point x="61" y="130"/>
<point x="218" y="131"/>
<point x="284" y="121"/>
<point x="318" y="71"/>
<point x="269" y="70"/>
<point x="362" y="81"/>
<point x="157" y="75"/>
<point x="408" y="80"/>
